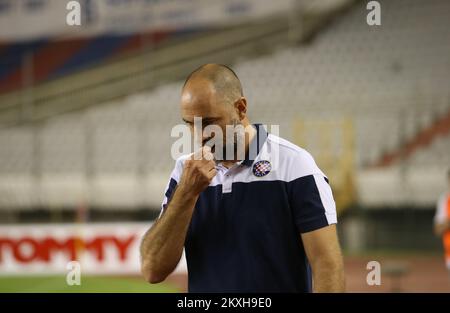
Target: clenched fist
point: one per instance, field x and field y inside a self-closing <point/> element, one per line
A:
<point x="198" y="171"/>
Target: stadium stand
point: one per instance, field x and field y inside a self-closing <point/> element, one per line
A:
<point x="55" y="58"/>
<point x="106" y="155"/>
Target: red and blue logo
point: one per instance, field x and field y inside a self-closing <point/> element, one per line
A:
<point x="261" y="168"/>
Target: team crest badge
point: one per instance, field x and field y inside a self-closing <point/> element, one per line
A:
<point x="261" y="168"/>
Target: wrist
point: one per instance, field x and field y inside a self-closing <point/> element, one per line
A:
<point x="187" y="192"/>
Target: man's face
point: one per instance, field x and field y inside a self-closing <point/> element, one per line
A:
<point x="199" y="100"/>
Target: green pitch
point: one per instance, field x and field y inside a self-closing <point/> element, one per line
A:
<point x="88" y="284"/>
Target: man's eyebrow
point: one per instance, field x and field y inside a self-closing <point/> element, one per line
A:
<point x="209" y="119"/>
<point x="204" y="120"/>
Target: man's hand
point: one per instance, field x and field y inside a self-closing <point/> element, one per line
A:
<point x="198" y="172"/>
<point x="162" y="245"/>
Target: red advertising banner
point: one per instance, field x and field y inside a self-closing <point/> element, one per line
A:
<point x="47" y="249"/>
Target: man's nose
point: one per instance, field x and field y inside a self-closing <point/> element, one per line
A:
<point x="200" y="138"/>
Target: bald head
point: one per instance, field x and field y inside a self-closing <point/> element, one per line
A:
<point x="227" y="86"/>
<point x="213" y="92"/>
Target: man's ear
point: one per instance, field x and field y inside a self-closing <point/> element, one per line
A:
<point x="241" y="107"/>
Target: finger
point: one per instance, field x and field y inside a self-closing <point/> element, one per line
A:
<point x="208" y="156"/>
<point x="191" y="157"/>
<point x="206" y="149"/>
<point x="198" y="155"/>
<point x="211" y="165"/>
<point x="206" y="153"/>
<point x="211" y="174"/>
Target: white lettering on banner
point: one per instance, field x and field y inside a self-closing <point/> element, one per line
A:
<point x="105" y="248"/>
<point x="29" y="249"/>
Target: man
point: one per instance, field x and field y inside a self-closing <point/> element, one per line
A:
<point x="442" y="221"/>
<point x="251" y="224"/>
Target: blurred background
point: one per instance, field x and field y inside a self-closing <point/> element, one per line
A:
<point x="86" y="114"/>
